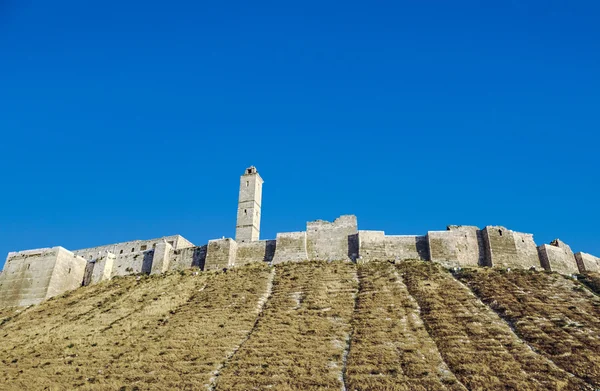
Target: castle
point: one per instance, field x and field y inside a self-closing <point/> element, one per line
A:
<point x="32" y="276"/>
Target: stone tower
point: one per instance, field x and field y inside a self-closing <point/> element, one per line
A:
<point x="248" y="214"/>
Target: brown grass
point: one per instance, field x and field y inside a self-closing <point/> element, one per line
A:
<point x="165" y="332"/>
<point x="391" y="349"/>
<point x="299" y="340"/>
<point x="591" y="280"/>
<point x="476" y="344"/>
<point x="557" y="316"/>
<point x="413" y="327"/>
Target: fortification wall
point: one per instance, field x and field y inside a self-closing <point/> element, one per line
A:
<point x="332" y="241"/>
<point x="31" y="276"/>
<point x="587" y="262"/>
<point x="132" y="263"/>
<point x="259" y="251"/>
<point x="406" y="247"/>
<point x="161" y="257"/>
<point x="375" y="245"/>
<point x="67" y="274"/>
<point x="372" y="246"/>
<point x="221" y="254"/>
<point x="506" y="248"/>
<point x="102" y="268"/>
<point x="558" y="257"/>
<point x="457" y="246"/>
<point x="290" y="246"/>
<point x="188" y="257"/>
<point x="134" y="246"/>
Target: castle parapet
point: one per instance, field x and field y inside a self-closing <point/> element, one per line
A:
<point x="558" y="257"/>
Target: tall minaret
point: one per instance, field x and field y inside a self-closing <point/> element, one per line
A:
<point x="248" y="214"/>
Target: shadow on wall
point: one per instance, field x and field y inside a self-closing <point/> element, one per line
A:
<point x="270" y="250"/>
<point x="147" y="262"/>
<point x="353" y="244"/>
<point x="199" y="257"/>
<point x="422" y="247"/>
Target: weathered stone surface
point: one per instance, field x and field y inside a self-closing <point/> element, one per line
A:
<point x="133" y="263"/>
<point x="258" y="251"/>
<point x="188" y="257"/>
<point x="249" y="207"/>
<point x="375" y="245"/>
<point x="372" y="246"/>
<point x="587" y="262"/>
<point x="103" y="268"/>
<point x="457" y="246"/>
<point x="332" y="241"/>
<point x="558" y="257"/>
<point x="221" y="254"/>
<point x="506" y="248"/>
<point x="161" y="257"/>
<point x="131" y="247"/>
<point x="30" y="277"/>
<point x="291" y="246"/>
<point x="402" y="247"/>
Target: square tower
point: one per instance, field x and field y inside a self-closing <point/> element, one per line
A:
<point x="248" y="215"/>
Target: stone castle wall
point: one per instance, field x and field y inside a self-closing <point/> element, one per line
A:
<point x="32" y="276"/>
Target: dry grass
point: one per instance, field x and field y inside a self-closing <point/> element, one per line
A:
<point x="391" y="349"/>
<point x="475" y="343"/>
<point x="300" y="338"/>
<point x="165" y="332"/>
<point x="413" y="327"/>
<point x="591" y="280"/>
<point x="557" y="316"/>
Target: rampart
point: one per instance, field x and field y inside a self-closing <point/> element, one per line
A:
<point x="587" y="262"/>
<point x="32" y="276"/>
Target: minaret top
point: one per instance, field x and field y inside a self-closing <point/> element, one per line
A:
<point x="250" y="170"/>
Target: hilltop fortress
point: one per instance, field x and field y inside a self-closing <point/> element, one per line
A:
<point x="32" y="276"/>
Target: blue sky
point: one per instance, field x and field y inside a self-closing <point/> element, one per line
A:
<point x="134" y="119"/>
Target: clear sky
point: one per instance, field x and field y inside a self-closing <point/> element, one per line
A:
<point x="125" y="120"/>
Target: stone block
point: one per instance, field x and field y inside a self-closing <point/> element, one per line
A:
<point x="457" y="246"/>
<point x="587" y="263"/>
<point x="221" y="254"/>
<point x="558" y="257"/>
<point x="103" y="268"/>
<point x="505" y="248"/>
<point x="371" y="246"/>
<point x="290" y="247"/>
<point x="161" y="257"/>
<point x="259" y="251"/>
<point x="29" y="277"/>
<point x="187" y="258"/>
<point x="402" y="247"/>
<point x="332" y="241"/>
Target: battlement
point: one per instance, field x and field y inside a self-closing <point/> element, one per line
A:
<point x="31" y="276"/>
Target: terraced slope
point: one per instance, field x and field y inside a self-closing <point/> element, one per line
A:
<point x="391" y="349"/>
<point x="167" y="332"/>
<point x="476" y="344"/>
<point x="300" y="339"/>
<point x="592" y="281"/>
<point x="555" y="315"/>
<point x="310" y="326"/>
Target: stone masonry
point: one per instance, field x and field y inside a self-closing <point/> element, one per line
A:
<point x="32" y="276"/>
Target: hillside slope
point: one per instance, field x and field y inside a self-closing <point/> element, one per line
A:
<point x="310" y="326"/>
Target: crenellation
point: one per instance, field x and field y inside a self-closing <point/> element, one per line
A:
<point x="32" y="276"/>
